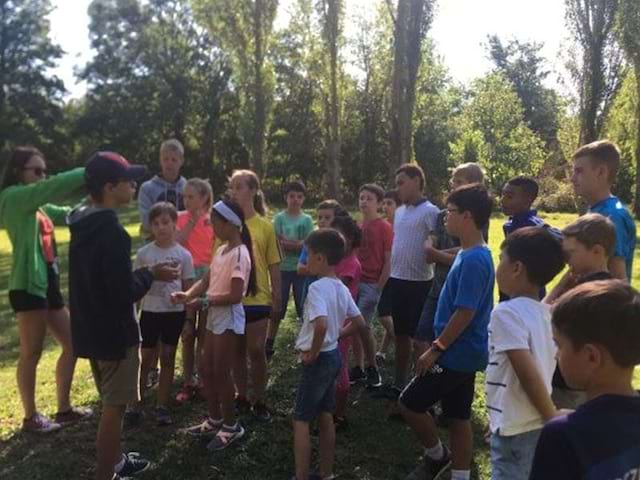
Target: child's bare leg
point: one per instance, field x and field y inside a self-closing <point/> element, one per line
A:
<point x="167" y="368"/>
<point x="389" y="336"/>
<point x="461" y="441"/>
<point x="108" y="441"/>
<point x="148" y="359"/>
<point x="201" y="322"/>
<point x="208" y="376"/>
<point x="225" y="347"/>
<point x="327" y="444"/>
<point x="302" y="448"/>
<point x="188" y="347"/>
<point x="358" y="353"/>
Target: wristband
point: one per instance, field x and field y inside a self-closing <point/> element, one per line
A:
<point x="438" y="346"/>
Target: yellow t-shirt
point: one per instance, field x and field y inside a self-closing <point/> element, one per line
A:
<point x="266" y="252"/>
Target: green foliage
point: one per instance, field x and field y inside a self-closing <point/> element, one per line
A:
<point x="30" y="97"/>
<point x="495" y="135"/>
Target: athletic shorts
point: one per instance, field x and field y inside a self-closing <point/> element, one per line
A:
<point x="453" y="389"/>
<point x="23" y="301"/>
<point x="256" y="313"/>
<point x="407" y="301"/>
<point x="384" y="304"/>
<point x="163" y="326"/>
<point x="118" y="382"/>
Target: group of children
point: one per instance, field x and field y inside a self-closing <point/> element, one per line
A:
<point x="220" y="275"/>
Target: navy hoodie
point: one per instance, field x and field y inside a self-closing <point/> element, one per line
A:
<point x="102" y="286"/>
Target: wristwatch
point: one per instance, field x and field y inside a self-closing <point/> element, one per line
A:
<point x="437" y="346"/>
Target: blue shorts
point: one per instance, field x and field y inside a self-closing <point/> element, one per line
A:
<point x="368" y="296"/>
<point x="317" y="388"/>
<point x="512" y="456"/>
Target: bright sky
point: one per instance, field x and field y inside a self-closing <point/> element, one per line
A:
<point x="460" y="28"/>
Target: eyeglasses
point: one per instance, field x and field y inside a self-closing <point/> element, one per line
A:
<point x="39" y="171"/>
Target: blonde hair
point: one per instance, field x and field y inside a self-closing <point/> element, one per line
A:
<point x="472" y="172"/>
<point x="203" y="187"/>
<point x="253" y="182"/>
<point x="172" y="145"/>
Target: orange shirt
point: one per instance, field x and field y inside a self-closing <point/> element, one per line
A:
<point x="201" y="239"/>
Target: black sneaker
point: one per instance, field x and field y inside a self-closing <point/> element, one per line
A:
<point x="133" y="419"/>
<point x="261" y="412"/>
<point x="386" y="392"/>
<point x="133" y="464"/>
<point x="437" y="468"/>
<point x="374" y="380"/>
<point x="356" y="374"/>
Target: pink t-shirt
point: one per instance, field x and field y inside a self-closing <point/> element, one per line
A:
<point x="349" y="271"/>
<point x="377" y="237"/>
<point x="200" y="240"/>
<point x="227" y="265"/>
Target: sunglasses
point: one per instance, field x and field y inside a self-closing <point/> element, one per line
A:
<point x="39" y="171"/>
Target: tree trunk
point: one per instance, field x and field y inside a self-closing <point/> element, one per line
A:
<point x="636" y="203"/>
<point x="260" y="119"/>
<point x="333" y="121"/>
<point x="410" y="27"/>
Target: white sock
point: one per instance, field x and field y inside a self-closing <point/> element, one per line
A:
<point x="230" y="427"/>
<point x="435" y="453"/>
<point x="216" y="422"/>
<point x="460" y="474"/>
<point x="120" y="464"/>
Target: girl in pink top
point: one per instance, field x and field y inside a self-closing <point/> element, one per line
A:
<point x="349" y="271"/>
<point x="232" y="276"/>
<point x="195" y="233"/>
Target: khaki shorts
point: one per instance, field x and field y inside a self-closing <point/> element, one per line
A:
<point x="118" y="382"/>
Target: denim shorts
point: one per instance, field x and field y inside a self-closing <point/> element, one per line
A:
<point x="317" y="388"/>
<point x="512" y="456"/>
<point x="368" y="296"/>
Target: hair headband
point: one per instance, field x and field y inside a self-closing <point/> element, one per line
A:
<point x="227" y="213"/>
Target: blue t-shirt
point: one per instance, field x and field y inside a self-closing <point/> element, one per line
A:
<point x="526" y="219"/>
<point x="468" y="285"/>
<point x="613" y="208"/>
<point x="599" y="441"/>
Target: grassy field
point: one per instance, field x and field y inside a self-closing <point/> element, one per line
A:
<point x="372" y="448"/>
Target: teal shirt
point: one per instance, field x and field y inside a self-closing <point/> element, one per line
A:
<point x="292" y="228"/>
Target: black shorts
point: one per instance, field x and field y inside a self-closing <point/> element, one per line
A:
<point x="256" y="313"/>
<point x="384" y="304"/>
<point x="453" y="389"/>
<point x="407" y="300"/>
<point x="23" y="301"/>
<point x="163" y="326"/>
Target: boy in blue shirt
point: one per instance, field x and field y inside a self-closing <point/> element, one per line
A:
<point x="446" y="371"/>
<point x="596" y="328"/>
<point x="595" y="167"/>
<point x="517" y="197"/>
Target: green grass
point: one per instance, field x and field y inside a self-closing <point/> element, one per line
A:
<point x="372" y="448"/>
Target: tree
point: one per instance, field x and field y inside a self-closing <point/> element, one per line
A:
<point x="30" y="97"/>
<point x="494" y="134"/>
<point x="245" y="29"/>
<point x="524" y="66"/>
<point x="629" y="28"/>
<point x="411" y="20"/>
<point x="331" y="12"/>
<point x="156" y="74"/>
<point x="598" y="75"/>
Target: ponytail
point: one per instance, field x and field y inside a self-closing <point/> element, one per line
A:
<point x="259" y="203"/>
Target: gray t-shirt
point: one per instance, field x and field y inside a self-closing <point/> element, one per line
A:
<point x="158" y="299"/>
<point x="412" y="225"/>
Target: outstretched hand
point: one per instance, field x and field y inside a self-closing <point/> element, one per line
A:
<point x="179" y="298"/>
<point x="165" y="272"/>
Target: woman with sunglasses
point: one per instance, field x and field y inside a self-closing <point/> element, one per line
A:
<point x="34" y="282"/>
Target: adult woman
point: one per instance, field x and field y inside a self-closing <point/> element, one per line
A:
<point x="34" y="287"/>
<point x="244" y="189"/>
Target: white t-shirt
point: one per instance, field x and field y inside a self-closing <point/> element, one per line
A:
<point x="412" y="225"/>
<point x="158" y="298"/>
<point x="327" y="297"/>
<point x="518" y="324"/>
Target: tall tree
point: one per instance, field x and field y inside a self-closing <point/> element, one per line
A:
<point x="30" y="97"/>
<point x="598" y="76"/>
<point x="524" y="66"/>
<point x="629" y="29"/>
<point x="245" y="28"/>
<point x="412" y="19"/>
<point x="331" y="12"/>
